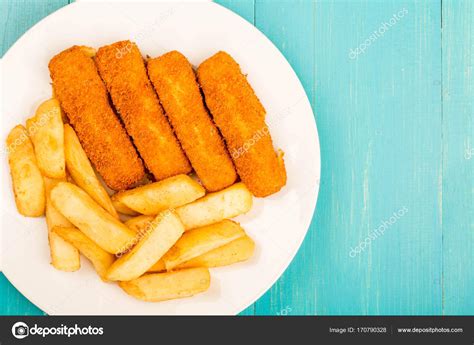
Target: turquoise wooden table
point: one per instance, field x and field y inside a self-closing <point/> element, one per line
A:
<point x="392" y="88"/>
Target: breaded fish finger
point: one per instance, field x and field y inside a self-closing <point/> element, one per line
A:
<point x="175" y="82"/>
<point x="241" y="119"/>
<point x="122" y="68"/>
<point x="84" y="99"/>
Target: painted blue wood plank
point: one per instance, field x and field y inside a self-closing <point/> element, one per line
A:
<point x="384" y="100"/>
<point x="13" y="303"/>
<point x="19" y="15"/>
<point x="244" y="8"/>
<point x="379" y="118"/>
<point x="458" y="158"/>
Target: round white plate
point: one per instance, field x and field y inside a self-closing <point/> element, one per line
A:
<point x="278" y="224"/>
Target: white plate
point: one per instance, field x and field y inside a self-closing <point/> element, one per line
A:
<point x="278" y="223"/>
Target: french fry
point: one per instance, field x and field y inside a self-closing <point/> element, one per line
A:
<point x="28" y="185"/>
<point x="238" y="250"/>
<point x="140" y="223"/>
<point x="80" y="168"/>
<point x="170" y="285"/>
<point x="46" y="131"/>
<point x="96" y="223"/>
<point x="64" y="256"/>
<point x="121" y="208"/>
<point x="214" y="207"/>
<point x="201" y="240"/>
<point x="166" y="229"/>
<point x="56" y="218"/>
<point x="159" y="266"/>
<point x="155" y="197"/>
<point x="100" y="259"/>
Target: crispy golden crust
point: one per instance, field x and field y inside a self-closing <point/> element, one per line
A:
<point x="173" y="78"/>
<point x="241" y="119"/>
<point x="83" y="97"/>
<point x="122" y="68"/>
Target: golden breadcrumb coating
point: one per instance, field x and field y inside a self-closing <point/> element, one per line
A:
<point x="122" y="68"/>
<point x="241" y="119"/>
<point x="84" y="99"/>
<point x="175" y="82"/>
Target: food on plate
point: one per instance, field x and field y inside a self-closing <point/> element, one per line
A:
<point x="122" y="68"/>
<point x="80" y="168"/>
<point x="46" y="132"/>
<point x="238" y="250"/>
<point x="202" y="240"/>
<point x="121" y="208"/>
<point x="83" y="97"/>
<point x="163" y="233"/>
<point x="139" y="223"/>
<point x="152" y="198"/>
<point x="159" y="266"/>
<point x="217" y="206"/>
<point x="157" y="287"/>
<point x="240" y="117"/>
<point x="100" y="259"/>
<point x="64" y="256"/>
<point x="96" y="223"/>
<point x="159" y="234"/>
<point x="175" y="82"/>
<point x="28" y="185"/>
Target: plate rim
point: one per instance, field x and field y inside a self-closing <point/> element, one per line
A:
<point x="233" y="310"/>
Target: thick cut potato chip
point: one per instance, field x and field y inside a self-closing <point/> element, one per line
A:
<point x="155" y="197"/>
<point x="201" y="240"/>
<point x="140" y="223"/>
<point x="165" y="286"/>
<point x="214" y="207"/>
<point x="47" y="133"/>
<point x="80" y="168"/>
<point x="64" y="256"/>
<point x="100" y="259"/>
<point x="96" y="223"/>
<point x="121" y="208"/>
<point x="28" y="185"/>
<point x="159" y="266"/>
<point x="166" y="229"/>
<point x="238" y="250"/>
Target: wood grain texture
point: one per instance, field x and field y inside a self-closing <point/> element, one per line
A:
<point x="379" y="120"/>
<point x="458" y="157"/>
<point x="244" y="8"/>
<point x="380" y="115"/>
<point x="396" y="134"/>
<point x="17" y="16"/>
